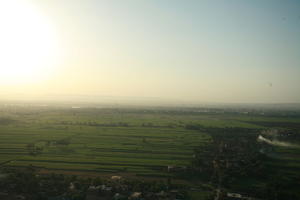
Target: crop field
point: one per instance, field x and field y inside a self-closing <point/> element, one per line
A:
<point x="139" y="142"/>
<point x="98" y="141"/>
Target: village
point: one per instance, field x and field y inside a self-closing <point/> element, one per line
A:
<point x="27" y="185"/>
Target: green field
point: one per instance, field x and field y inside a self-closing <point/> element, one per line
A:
<point x="139" y="142"/>
<point x="147" y="144"/>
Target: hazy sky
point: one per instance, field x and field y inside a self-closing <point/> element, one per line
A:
<point x="193" y="50"/>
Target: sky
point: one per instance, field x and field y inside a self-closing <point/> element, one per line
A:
<point x="195" y="51"/>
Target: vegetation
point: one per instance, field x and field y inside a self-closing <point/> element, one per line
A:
<point x="206" y="150"/>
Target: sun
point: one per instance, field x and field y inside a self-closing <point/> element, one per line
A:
<point x="28" y="43"/>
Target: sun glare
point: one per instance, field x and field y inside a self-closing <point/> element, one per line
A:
<point x="28" y="43"/>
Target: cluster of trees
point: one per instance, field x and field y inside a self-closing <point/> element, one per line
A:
<point x="93" y="123"/>
<point x="231" y="154"/>
<point x="33" y="186"/>
<point x="151" y="125"/>
<point x="33" y="149"/>
<point x="64" y="141"/>
<point x="234" y="155"/>
<point x="6" y="121"/>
